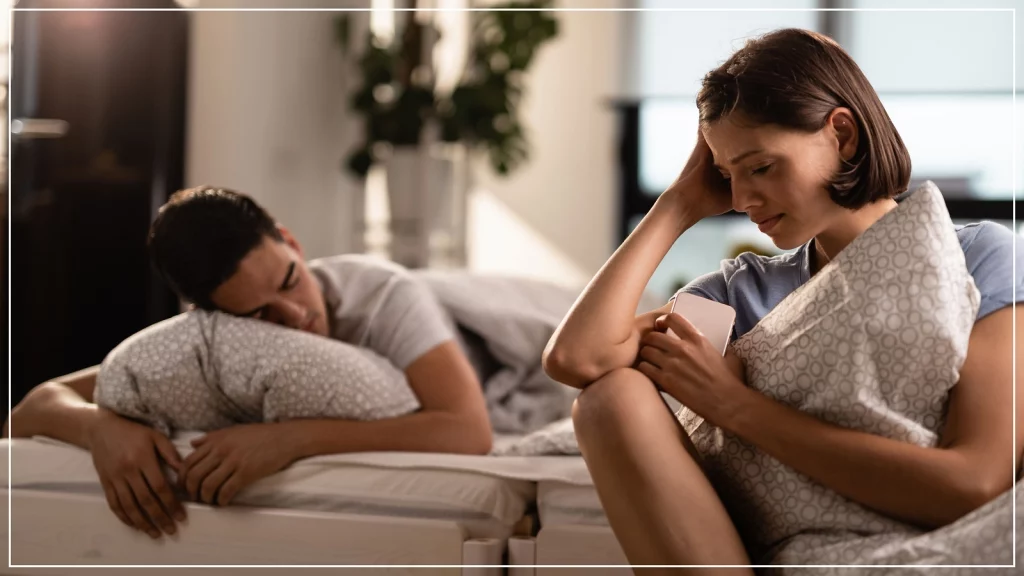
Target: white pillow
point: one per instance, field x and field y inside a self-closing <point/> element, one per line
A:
<point x="208" y="370"/>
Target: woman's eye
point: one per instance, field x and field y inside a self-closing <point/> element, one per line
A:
<point x="762" y="169"/>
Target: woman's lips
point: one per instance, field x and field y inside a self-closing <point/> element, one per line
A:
<point x="767" y="225"/>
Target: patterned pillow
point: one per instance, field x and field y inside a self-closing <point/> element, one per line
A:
<point x="873" y="342"/>
<point x="208" y="370"/>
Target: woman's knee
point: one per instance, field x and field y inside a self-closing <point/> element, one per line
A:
<point x="617" y="397"/>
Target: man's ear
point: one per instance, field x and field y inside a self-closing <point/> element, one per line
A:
<point x="290" y="240"/>
<point x="847" y="134"/>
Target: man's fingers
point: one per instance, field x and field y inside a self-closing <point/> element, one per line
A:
<point x="229" y="489"/>
<point x="158" y="484"/>
<point x="115" y="504"/>
<point x="167" y="451"/>
<point x="193" y="458"/>
<point x="213" y="482"/>
<point x="150" y="504"/>
<point x="197" y="474"/>
<point x="131" y="509"/>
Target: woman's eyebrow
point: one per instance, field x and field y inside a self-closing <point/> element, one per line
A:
<point x="742" y="156"/>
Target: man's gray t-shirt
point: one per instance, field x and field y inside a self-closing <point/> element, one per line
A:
<point x="753" y="284"/>
<point x="382" y="306"/>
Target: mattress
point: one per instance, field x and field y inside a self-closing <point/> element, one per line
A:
<point x="560" y="503"/>
<point x="487" y="505"/>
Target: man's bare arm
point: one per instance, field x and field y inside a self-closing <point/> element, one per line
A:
<point x="61" y="408"/>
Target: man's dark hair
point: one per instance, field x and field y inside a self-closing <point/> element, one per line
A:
<point x="795" y="78"/>
<point x="201" y="235"/>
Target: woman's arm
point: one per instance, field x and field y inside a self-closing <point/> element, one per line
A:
<point x="931" y="487"/>
<point x="601" y="332"/>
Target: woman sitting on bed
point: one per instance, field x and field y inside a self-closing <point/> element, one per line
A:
<point x="792" y="134"/>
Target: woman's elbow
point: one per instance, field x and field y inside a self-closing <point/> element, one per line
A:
<point x="567" y="368"/>
<point x="979" y="490"/>
<point x="986" y="488"/>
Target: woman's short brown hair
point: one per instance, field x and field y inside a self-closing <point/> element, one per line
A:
<point x="795" y="78"/>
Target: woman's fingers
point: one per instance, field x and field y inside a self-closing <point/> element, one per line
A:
<point x="661" y="341"/>
<point x="654" y="356"/>
<point x="651" y="371"/>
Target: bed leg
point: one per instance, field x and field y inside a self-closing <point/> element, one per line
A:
<point x="522" y="555"/>
<point x="486" y="553"/>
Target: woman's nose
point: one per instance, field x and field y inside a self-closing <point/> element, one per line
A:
<point x="743" y="198"/>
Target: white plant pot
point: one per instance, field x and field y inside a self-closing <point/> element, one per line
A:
<point x="408" y="190"/>
<point x="427" y="198"/>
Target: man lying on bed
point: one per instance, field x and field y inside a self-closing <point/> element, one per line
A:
<point x="221" y="251"/>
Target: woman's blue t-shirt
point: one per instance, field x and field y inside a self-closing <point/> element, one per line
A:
<point x="754" y="284"/>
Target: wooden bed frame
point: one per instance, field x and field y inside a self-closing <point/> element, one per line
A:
<point x="54" y="528"/>
<point x="576" y="545"/>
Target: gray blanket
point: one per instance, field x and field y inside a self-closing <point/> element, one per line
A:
<point x="515" y="318"/>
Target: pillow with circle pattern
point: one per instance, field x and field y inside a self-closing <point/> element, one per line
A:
<point x="207" y="370"/>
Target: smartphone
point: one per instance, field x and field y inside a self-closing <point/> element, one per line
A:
<point x="713" y="319"/>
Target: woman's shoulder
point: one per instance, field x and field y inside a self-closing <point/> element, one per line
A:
<point x="759" y="264"/>
<point x="752" y="276"/>
<point x="987" y="234"/>
<point x="988" y="245"/>
<point x="989" y="253"/>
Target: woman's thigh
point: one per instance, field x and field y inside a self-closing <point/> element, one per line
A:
<point x="658" y="501"/>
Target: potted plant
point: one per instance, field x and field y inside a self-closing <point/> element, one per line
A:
<point x="401" y="113"/>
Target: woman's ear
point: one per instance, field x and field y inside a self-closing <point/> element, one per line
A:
<point x="291" y="241"/>
<point x="847" y="135"/>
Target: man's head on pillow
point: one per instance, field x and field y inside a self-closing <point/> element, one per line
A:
<point x="222" y="251"/>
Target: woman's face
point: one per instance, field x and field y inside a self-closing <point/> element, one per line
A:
<point x="779" y="176"/>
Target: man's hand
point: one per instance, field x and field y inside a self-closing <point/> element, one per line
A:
<point x="225" y="461"/>
<point x="126" y="456"/>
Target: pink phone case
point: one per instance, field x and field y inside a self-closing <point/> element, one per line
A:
<point x="713" y="319"/>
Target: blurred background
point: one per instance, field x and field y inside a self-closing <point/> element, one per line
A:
<point x="513" y="143"/>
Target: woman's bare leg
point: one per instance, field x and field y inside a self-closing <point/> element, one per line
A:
<point x="659" y="503"/>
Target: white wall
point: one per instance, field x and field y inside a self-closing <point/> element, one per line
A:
<point x="266" y="116"/>
<point x="555" y="217"/>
